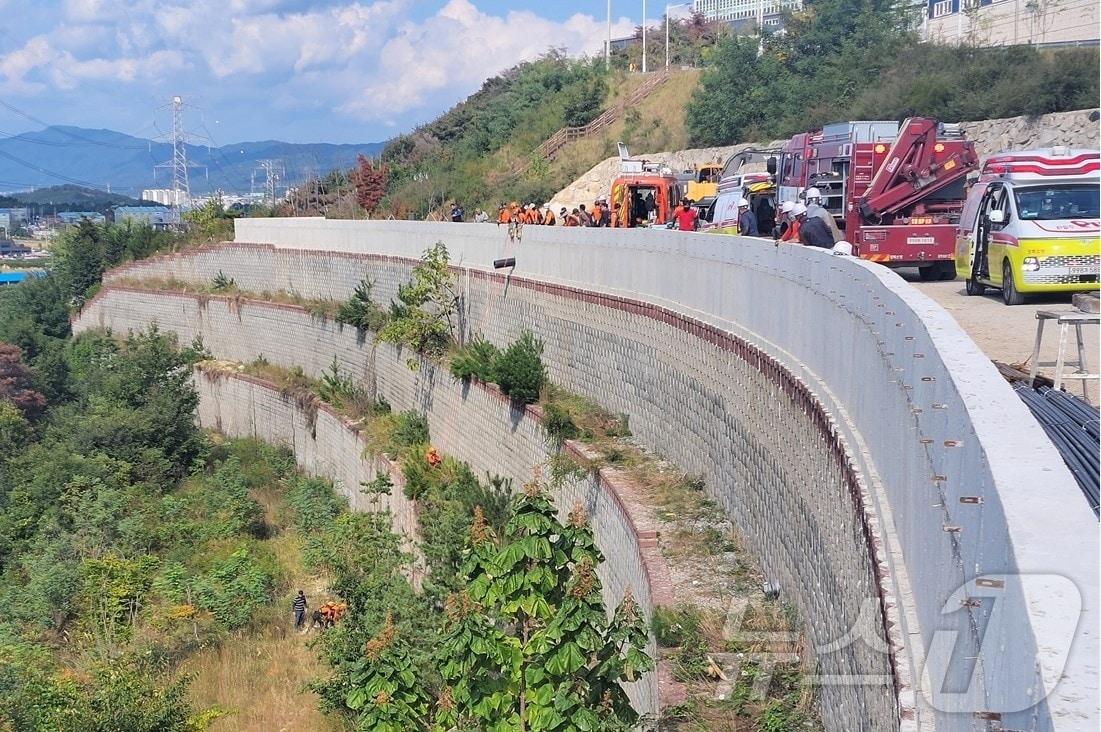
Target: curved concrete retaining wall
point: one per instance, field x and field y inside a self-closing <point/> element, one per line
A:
<point x="470" y="421"/>
<point x="747" y="364"/>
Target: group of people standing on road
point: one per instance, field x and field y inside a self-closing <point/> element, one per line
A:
<point x="805" y="222"/>
<point x="600" y="215"/>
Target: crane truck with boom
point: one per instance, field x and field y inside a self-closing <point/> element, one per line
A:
<point x="895" y="190"/>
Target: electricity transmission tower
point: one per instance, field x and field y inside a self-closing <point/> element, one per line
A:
<point x="273" y="172"/>
<point x="181" y="183"/>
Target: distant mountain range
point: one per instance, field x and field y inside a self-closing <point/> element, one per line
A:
<point x="125" y="164"/>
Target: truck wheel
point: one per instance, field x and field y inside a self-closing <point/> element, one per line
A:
<point x="1009" y="291"/>
<point x="929" y="273"/>
<point x="947" y="271"/>
<point x="974" y="287"/>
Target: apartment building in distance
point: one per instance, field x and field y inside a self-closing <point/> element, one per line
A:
<point x="745" y="14"/>
<point x="1050" y="23"/>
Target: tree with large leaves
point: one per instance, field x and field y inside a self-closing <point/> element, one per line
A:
<point x="529" y="644"/>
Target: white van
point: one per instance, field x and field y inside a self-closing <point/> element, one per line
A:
<point x="1032" y="224"/>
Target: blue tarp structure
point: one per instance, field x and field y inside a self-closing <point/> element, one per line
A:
<point x="17" y="276"/>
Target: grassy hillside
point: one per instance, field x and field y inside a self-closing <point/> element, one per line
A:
<point x="454" y="158"/>
<point x="658" y="123"/>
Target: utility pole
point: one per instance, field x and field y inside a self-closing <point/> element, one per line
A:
<point x="668" y="7"/>
<point x="271" y="170"/>
<point x="760" y="28"/>
<point x="608" y="42"/>
<point x="644" y="36"/>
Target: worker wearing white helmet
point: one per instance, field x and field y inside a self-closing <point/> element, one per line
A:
<point x="791" y="211"/>
<point x="783" y="220"/>
<point x="843" y="249"/>
<point x="747" y="222"/>
<point x="813" y="198"/>
<point x="813" y="231"/>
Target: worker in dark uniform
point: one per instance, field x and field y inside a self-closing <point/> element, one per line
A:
<point x="813" y="231"/>
<point x="747" y="222"/>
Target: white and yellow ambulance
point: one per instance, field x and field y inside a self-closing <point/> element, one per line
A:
<point x="1032" y="224"/>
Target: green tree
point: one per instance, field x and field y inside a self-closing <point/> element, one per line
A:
<point x="385" y="693"/>
<point x="519" y="370"/>
<point x="211" y="221"/>
<point x="421" y="317"/>
<point x="79" y="259"/>
<point x="529" y="645"/>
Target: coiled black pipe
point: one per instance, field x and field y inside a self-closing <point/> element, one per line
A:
<point x="1073" y="426"/>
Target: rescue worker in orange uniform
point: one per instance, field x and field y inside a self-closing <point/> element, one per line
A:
<point x="502" y="214"/>
<point x="791" y="234"/>
<point x="616" y="216"/>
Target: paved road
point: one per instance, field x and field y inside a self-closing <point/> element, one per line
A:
<point x="1007" y="333"/>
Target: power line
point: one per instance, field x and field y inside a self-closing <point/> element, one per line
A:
<point x="65" y="132"/>
<point x="44" y="171"/>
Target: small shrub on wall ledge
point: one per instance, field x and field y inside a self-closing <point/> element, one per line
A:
<point x="475" y="361"/>
<point x="360" y="311"/>
<point x="518" y="370"/>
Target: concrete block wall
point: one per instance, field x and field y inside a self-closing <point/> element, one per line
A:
<point x="472" y="422"/>
<point x="791" y="495"/>
<point x="951" y="480"/>
<point x="323" y="441"/>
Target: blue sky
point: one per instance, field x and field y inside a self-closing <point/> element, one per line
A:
<point x="295" y="70"/>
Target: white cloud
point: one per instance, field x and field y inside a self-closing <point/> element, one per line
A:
<point x="315" y="65"/>
<point x="453" y="51"/>
<point x="68" y="72"/>
<point x="15" y="66"/>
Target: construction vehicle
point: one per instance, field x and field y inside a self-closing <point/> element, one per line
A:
<point x="647" y="192"/>
<point x="896" y="191"/>
<point x="1031" y="224"/>
<point x="701" y="183"/>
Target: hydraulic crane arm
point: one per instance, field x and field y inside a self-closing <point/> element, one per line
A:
<point x="911" y="170"/>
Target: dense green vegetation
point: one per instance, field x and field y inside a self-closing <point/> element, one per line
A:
<point x="129" y="540"/>
<point x="124" y="541"/>
<point x="861" y="59"/>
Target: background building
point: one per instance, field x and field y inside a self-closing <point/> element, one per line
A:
<point x="158" y="217"/>
<point x="1013" y="22"/>
<point x="163" y="196"/>
<point x="12" y="219"/>
<point x="743" y="13"/>
<point x="69" y="218"/>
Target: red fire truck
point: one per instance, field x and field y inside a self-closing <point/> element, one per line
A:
<point x="896" y="191"/>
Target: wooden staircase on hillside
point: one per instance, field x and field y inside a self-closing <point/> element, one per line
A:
<point x="553" y="144"/>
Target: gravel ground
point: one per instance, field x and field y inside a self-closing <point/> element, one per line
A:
<point x="1007" y="333"/>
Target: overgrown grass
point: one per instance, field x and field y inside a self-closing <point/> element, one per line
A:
<point x="225" y="286"/>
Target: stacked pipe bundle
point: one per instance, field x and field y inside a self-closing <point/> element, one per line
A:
<point x="1072" y="425"/>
